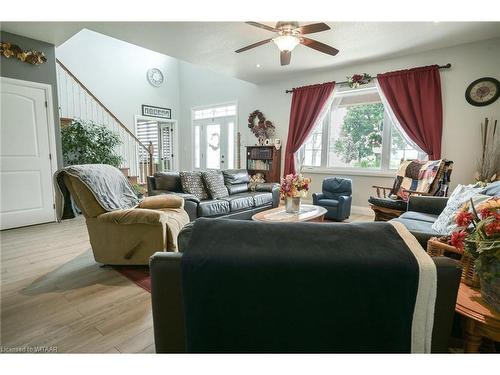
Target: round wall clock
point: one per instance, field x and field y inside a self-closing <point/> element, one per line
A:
<point x="483" y="91"/>
<point x="155" y="77"/>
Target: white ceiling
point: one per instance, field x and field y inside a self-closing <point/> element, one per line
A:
<point x="212" y="44"/>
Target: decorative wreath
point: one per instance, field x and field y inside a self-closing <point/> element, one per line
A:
<point x="214" y="142"/>
<point x="33" y="57"/>
<point x="263" y="129"/>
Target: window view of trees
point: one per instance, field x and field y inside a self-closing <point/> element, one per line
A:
<point x="360" y="139"/>
<point x="356" y="133"/>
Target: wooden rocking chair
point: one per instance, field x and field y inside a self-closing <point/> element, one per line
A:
<point x="412" y="179"/>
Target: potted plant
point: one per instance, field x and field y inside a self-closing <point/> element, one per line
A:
<point x="478" y="234"/>
<point x="292" y="188"/>
<point x="85" y="142"/>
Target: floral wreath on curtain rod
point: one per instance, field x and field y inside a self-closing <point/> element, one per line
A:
<point x="358" y="79"/>
<point x="263" y="129"/>
<point x="33" y="57"/>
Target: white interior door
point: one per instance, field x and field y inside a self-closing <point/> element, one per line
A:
<point x="214" y="143"/>
<point x="25" y="156"/>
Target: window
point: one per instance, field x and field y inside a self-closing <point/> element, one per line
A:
<point x="356" y="133"/>
<point x="220" y="111"/>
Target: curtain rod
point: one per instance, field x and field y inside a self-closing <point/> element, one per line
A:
<point x="447" y="66"/>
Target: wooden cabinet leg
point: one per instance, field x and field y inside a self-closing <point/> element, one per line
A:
<point x="472" y="341"/>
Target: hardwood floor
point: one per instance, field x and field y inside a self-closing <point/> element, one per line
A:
<point x="54" y="295"/>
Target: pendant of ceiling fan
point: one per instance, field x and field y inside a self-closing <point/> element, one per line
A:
<point x="289" y="35"/>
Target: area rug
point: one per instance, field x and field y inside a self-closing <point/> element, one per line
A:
<point x="137" y="274"/>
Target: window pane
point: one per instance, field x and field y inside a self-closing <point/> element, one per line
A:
<point x="197" y="150"/>
<point x="221" y="111"/>
<point x="312" y="148"/>
<point x="213" y="146"/>
<point x="401" y="150"/>
<point x="356" y="133"/>
<point x="230" y="145"/>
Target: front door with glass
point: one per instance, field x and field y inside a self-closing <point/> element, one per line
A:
<point x="214" y="143"/>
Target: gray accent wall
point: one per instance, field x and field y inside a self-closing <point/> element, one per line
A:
<point x="44" y="73"/>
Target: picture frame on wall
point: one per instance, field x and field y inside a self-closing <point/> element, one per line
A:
<point x="153" y="111"/>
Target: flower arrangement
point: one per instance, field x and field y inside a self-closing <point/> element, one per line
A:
<point x="478" y="234"/>
<point x="294" y="186"/>
<point x="358" y="79"/>
<point x="31" y="57"/>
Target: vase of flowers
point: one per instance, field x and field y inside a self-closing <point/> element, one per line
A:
<point x="294" y="187"/>
<point x="478" y="234"/>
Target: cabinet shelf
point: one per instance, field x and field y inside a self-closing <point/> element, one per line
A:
<point x="265" y="160"/>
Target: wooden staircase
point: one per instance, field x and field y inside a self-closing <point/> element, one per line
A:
<point x="77" y="101"/>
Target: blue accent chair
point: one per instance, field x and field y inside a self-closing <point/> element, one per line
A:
<point x="336" y="198"/>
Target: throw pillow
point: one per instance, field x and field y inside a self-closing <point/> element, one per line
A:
<point x="192" y="183"/>
<point x="445" y="223"/>
<point x="214" y="180"/>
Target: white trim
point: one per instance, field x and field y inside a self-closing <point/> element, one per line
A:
<point x="236" y="127"/>
<point x="423" y="313"/>
<point x="50" y="125"/>
<point x="175" y="146"/>
<point x="351" y="172"/>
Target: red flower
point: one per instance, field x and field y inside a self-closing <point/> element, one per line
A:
<point x="463" y="218"/>
<point x="492" y="228"/>
<point x="458" y="239"/>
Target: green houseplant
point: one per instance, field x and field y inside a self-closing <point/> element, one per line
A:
<point x="85" y="142"/>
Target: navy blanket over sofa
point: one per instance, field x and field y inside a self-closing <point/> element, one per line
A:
<point x="351" y="288"/>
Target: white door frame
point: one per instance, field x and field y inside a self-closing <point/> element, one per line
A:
<point x="236" y="126"/>
<point x="50" y="123"/>
<point x="175" y="146"/>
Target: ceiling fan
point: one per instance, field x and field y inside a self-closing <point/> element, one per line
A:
<point x="289" y="35"/>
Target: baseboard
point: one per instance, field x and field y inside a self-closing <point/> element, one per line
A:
<point x="361" y="210"/>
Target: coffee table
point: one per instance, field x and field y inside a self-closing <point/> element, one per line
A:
<point x="308" y="212"/>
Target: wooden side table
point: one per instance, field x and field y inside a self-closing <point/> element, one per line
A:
<point x="480" y="319"/>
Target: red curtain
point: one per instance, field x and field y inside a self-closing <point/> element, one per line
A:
<point x="307" y="103"/>
<point x="415" y="98"/>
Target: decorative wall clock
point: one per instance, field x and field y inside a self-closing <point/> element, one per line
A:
<point x="483" y="91"/>
<point x="155" y="77"/>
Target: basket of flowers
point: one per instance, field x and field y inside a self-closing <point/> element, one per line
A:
<point x="478" y="234"/>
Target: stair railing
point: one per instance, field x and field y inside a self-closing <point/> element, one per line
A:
<point x="77" y="101"/>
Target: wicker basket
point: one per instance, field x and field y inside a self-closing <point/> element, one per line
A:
<point x="438" y="247"/>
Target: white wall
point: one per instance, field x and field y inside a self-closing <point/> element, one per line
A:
<point x="202" y="87"/>
<point x="115" y="71"/>
<point x="461" y="121"/>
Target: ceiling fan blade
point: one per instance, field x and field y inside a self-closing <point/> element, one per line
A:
<point x="318" y="46"/>
<point x="253" y="45"/>
<point x="285" y="57"/>
<point x="313" y="28"/>
<point x="262" y="26"/>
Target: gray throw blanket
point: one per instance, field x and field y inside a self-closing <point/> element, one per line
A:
<point x="107" y="183"/>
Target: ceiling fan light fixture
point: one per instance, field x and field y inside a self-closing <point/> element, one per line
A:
<point x="286" y="42"/>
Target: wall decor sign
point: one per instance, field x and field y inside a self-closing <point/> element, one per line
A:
<point x="32" y="57"/>
<point x="152" y="111"/>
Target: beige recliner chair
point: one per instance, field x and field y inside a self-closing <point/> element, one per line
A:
<point x="129" y="236"/>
